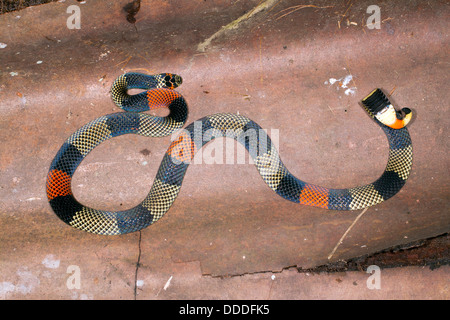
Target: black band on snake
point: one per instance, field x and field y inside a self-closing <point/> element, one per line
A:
<point x="181" y="152"/>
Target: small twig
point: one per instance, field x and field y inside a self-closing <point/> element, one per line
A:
<point x="145" y="59"/>
<point x="330" y="109"/>
<point x="254" y="8"/>
<point x="392" y="91"/>
<point x="346" y="232"/>
<point x="124" y="61"/>
<point x="345" y="13"/>
<point x="273" y="7"/>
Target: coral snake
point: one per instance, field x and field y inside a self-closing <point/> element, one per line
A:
<point x="167" y="183"/>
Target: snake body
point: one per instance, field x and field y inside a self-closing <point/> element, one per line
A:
<point x="182" y="150"/>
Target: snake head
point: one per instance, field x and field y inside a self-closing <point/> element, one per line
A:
<point x="171" y="80"/>
<point x="378" y="105"/>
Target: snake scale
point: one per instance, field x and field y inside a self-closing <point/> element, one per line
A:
<point x="167" y="183"/>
